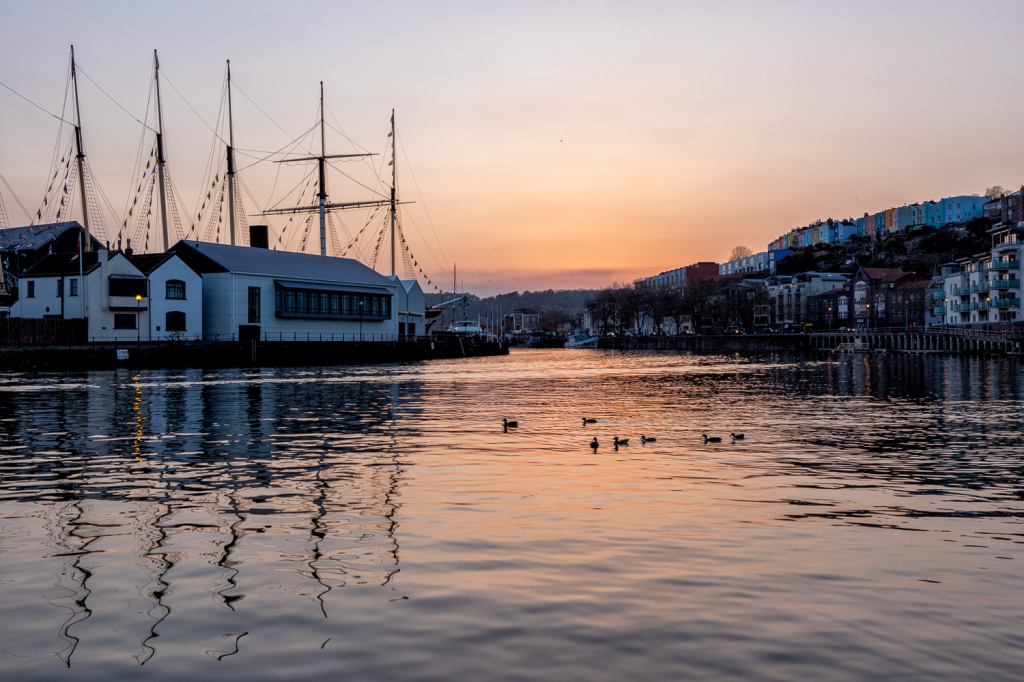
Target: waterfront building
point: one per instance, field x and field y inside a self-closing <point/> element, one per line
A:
<point x="125" y="297"/>
<point x="875" y="301"/>
<point x="411" y="308"/>
<point x="764" y="261"/>
<point x="787" y="295"/>
<point x="679" y="277"/>
<point x="23" y="247"/>
<point x="985" y="288"/>
<point x="256" y="293"/>
<point x="523" y="320"/>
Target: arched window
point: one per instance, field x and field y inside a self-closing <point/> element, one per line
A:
<point x="175" y="321"/>
<point x="176" y="289"/>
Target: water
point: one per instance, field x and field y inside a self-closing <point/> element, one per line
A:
<point x="378" y="524"/>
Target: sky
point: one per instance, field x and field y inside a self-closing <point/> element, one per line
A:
<point x="542" y="144"/>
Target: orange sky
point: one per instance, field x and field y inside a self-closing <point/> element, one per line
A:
<point x="556" y="145"/>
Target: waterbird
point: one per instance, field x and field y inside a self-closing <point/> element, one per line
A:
<point x="507" y="423"/>
<point x="645" y="439"/>
<point x="621" y="442"/>
<point x="714" y="439"/>
<point x="593" y="443"/>
<point x="736" y="436"/>
<point x="589" y="421"/>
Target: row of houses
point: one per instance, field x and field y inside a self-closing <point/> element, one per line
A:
<point x="201" y="291"/>
<point x="985" y="288"/>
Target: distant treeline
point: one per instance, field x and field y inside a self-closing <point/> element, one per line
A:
<point x="570" y="300"/>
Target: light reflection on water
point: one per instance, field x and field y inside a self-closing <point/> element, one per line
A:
<point x="378" y="523"/>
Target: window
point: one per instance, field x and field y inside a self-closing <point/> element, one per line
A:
<point x="31" y="290"/>
<point x="254" y="305"/>
<point x="60" y="288"/>
<point x="175" y="321"/>
<point x="129" y="287"/>
<point x="74" y="287"/>
<point x="314" y="303"/>
<point x="176" y="289"/>
<point x="124" y="321"/>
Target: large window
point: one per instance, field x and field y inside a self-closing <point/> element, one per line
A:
<point x="254" y="305"/>
<point x="74" y="287"/>
<point x="128" y="286"/>
<point x="296" y="302"/>
<point x="60" y="288"/>
<point x="31" y="293"/>
<point x="175" y="321"/>
<point x="124" y="321"/>
<point x="176" y="289"/>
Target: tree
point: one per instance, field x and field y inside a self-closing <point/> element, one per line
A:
<point x="994" y="192"/>
<point x="740" y="252"/>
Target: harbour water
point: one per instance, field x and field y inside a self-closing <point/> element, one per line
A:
<point x="377" y="523"/>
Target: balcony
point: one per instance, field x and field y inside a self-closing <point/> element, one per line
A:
<point x="1005" y="265"/>
<point x="940" y="310"/>
<point x="981" y="288"/>
<point x="940" y="295"/>
<point x="963" y="308"/>
<point x="981" y="305"/>
<point x="1005" y="284"/>
<point x="963" y="291"/>
<point x="128" y="303"/>
<point x="1005" y="303"/>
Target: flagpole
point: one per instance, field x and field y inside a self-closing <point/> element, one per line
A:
<point x="81" y="279"/>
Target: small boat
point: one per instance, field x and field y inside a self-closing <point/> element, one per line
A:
<point x="581" y="339"/>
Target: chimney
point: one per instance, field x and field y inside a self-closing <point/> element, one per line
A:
<point x="258" y="238"/>
<point x="128" y="252"/>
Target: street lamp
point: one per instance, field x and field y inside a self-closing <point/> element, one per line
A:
<point x="830" y="318"/>
<point x="138" y="319"/>
<point x="868" y="305"/>
<point x="360" y="318"/>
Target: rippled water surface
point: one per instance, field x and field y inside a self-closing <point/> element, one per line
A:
<point x="378" y="523"/>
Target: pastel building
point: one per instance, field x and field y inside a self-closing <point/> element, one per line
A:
<point x="961" y="209"/>
<point x="679" y="277"/>
<point x="758" y="262"/>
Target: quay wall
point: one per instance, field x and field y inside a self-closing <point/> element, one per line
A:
<point x="206" y="355"/>
<point x="893" y="341"/>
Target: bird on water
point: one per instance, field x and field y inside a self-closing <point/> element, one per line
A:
<point x="507" y="423"/>
<point x="645" y="439"/>
<point x="589" y="421"/>
<point x="618" y="442"/>
<point x="593" y="443"/>
<point x="736" y="436"/>
<point x="713" y="439"/>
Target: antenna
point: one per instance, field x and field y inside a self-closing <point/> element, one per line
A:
<point x="81" y="154"/>
<point x="160" y="151"/>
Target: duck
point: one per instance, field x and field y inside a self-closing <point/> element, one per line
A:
<point x="736" y="436"/>
<point x="589" y="421"/>
<point x="645" y="439"/>
<point x="713" y="439"/>
<point x="507" y="423"/>
<point x="594" y="444"/>
<point x="618" y="442"/>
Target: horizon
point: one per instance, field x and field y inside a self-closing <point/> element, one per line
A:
<point x="553" y="150"/>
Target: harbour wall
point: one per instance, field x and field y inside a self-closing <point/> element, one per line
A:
<point x="207" y="355"/>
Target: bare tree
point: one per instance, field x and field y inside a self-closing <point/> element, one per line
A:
<point x="994" y="192"/>
<point x="740" y="252"/>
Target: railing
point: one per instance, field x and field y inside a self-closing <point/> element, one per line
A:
<point x="981" y="305"/>
<point x="1005" y="303"/>
<point x="963" y="308"/>
<point x="940" y="310"/>
<point x="939" y="294"/>
<point x="963" y="291"/>
<point x="980" y="288"/>
<point x="1005" y="284"/>
<point x="1005" y="265"/>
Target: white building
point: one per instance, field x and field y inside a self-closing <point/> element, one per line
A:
<point x="144" y="298"/>
<point x="985" y="288"/>
<point x="412" y="308"/>
<point x="251" y="293"/>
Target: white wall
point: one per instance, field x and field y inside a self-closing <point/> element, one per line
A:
<point x="192" y="306"/>
<point x="226" y="306"/>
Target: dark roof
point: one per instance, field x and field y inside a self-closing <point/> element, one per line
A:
<point x="57" y="264"/>
<point x="148" y="262"/>
<point x="35" y="236"/>
<point x="883" y="274"/>
<point x="283" y="264"/>
<point x="917" y="284"/>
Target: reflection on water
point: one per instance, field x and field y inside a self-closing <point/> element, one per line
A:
<point x="277" y="523"/>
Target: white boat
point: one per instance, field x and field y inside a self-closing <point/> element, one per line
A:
<point x="581" y="339"/>
<point x="466" y="326"/>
